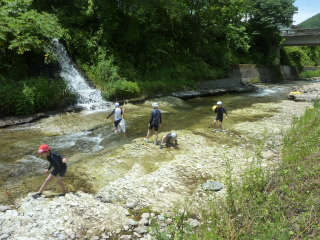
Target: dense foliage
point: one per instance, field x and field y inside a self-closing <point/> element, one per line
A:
<point x="302" y="56"/>
<point x="33" y="95"/>
<point x="132" y="47"/>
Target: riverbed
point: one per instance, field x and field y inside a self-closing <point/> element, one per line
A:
<point x="112" y="177"/>
<point x="95" y="153"/>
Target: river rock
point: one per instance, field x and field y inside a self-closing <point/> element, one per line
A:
<point x="212" y="186"/>
<point x="125" y="237"/>
<point x="267" y="154"/>
<point x="131" y="203"/>
<point x="194" y="223"/>
<point x="4" y="236"/>
<point x="141" y="229"/>
<point x="132" y="222"/>
<point x="4" y="208"/>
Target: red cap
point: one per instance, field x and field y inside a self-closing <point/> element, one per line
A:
<point x="44" y="148"/>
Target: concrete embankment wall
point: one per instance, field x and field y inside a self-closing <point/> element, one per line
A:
<point x="243" y="74"/>
<point x="254" y="73"/>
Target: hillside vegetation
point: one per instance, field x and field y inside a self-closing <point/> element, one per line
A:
<point x="313" y="22"/>
<point x="131" y="48"/>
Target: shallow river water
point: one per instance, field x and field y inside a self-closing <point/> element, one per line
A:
<point x="86" y="139"/>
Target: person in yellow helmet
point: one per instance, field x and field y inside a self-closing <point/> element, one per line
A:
<point x="219" y="110"/>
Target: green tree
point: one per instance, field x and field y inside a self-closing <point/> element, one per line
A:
<point x="22" y="30"/>
<point x="263" y="18"/>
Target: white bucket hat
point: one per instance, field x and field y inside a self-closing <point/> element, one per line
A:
<point x="174" y="135"/>
<point x="117" y="104"/>
<point x="219" y="103"/>
<point x="155" y="104"/>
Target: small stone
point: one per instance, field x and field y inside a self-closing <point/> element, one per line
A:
<point x="194" y="223"/>
<point x="131" y="203"/>
<point x="145" y="215"/>
<point x="144" y="221"/>
<point x="125" y="237"/>
<point x="126" y="212"/>
<point x="4" y="208"/>
<point x="132" y="222"/>
<point x="212" y="186"/>
<point x="141" y="229"/>
<point x="137" y="234"/>
<point x="4" y="236"/>
<point x="94" y="238"/>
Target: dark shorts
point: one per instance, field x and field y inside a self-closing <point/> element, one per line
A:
<point x="218" y="118"/>
<point x="116" y="123"/>
<point x="156" y="127"/>
<point x="61" y="173"/>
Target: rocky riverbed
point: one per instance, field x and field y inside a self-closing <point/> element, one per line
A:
<point x="177" y="174"/>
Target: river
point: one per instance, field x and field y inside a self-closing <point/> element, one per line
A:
<point x="87" y="140"/>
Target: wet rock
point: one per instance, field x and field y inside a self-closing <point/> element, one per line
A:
<point x="212" y="186"/>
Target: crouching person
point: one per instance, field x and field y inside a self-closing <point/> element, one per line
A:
<point x="58" y="162"/>
<point x="169" y="140"/>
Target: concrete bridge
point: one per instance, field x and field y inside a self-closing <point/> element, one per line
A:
<point x="301" y="37"/>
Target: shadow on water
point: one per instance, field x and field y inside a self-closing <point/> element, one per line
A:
<point x="88" y="141"/>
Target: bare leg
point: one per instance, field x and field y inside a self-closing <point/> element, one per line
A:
<point x="221" y="125"/>
<point x="214" y="123"/>
<point x="46" y="182"/>
<point x="61" y="184"/>
<point x="156" y="135"/>
<point x="149" y="134"/>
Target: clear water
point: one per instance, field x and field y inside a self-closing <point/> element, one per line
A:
<point x="21" y="166"/>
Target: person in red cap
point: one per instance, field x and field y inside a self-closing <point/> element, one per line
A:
<point x="58" y="162"/>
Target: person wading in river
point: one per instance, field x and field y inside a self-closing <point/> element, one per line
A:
<point x="155" y="122"/>
<point x="219" y="110"/>
<point x="58" y="162"/>
<point x="118" y="114"/>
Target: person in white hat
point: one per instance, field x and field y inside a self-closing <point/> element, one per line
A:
<point x="155" y="122"/>
<point x="118" y="115"/>
<point x="170" y="140"/>
<point x="219" y="110"/>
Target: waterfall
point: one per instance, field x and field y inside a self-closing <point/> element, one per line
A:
<point x="88" y="97"/>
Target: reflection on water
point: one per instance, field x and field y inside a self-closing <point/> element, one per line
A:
<point x="21" y="166"/>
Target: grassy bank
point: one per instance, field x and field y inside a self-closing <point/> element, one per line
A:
<point x="310" y="74"/>
<point x="280" y="204"/>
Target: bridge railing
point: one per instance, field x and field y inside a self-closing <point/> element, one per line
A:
<point x="300" y="32"/>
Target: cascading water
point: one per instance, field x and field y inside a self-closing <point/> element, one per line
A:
<point x="88" y="97"/>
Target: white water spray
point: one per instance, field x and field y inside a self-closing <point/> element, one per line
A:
<point x="88" y="97"/>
